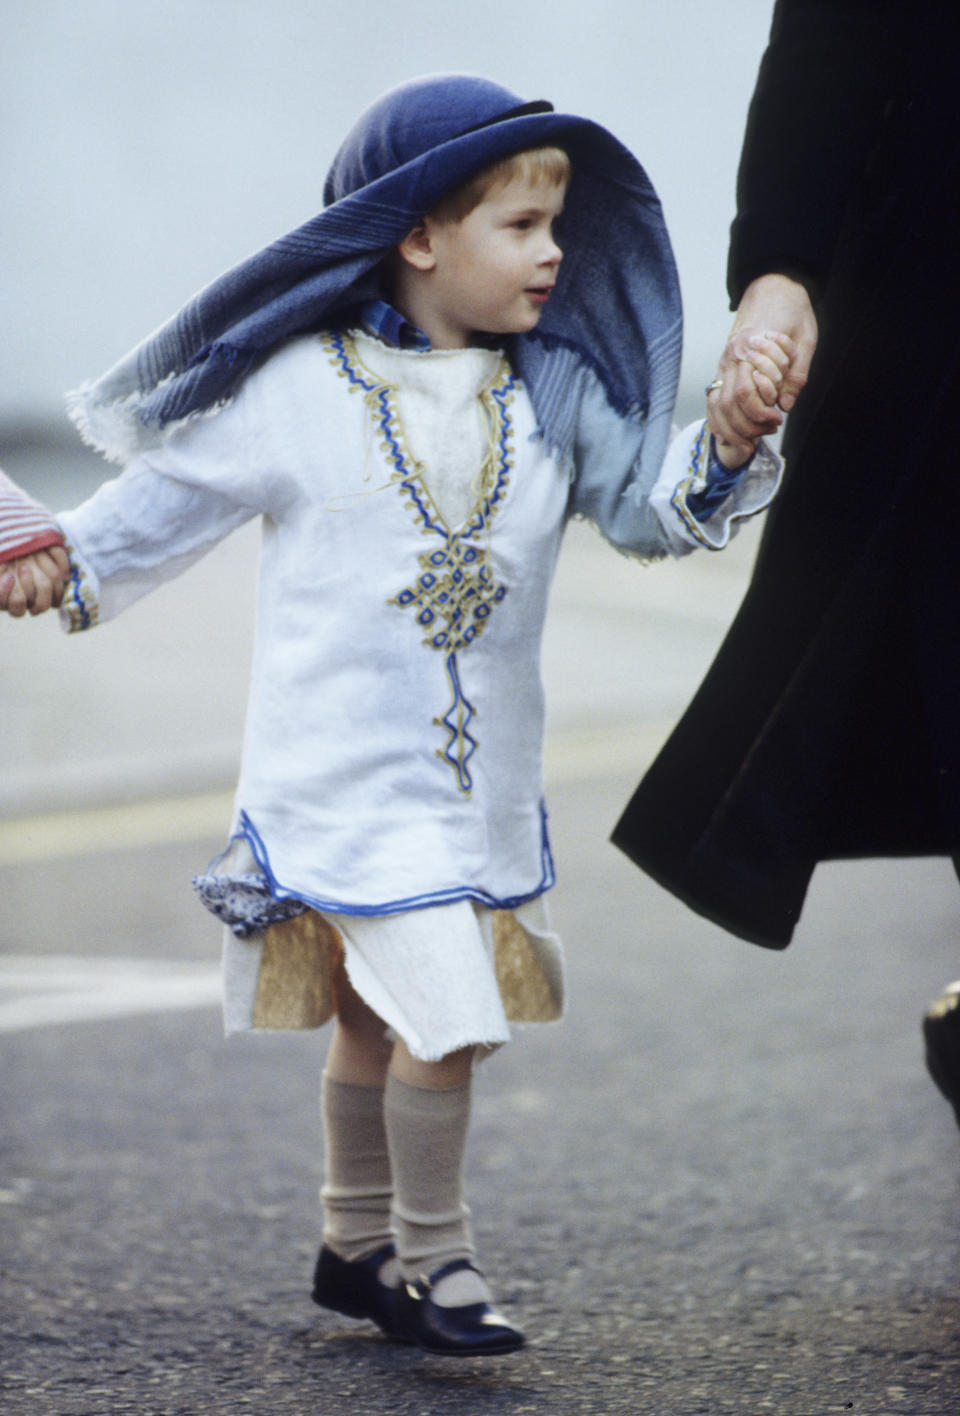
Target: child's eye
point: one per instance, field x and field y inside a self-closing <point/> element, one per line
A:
<point x="523" y="224"/>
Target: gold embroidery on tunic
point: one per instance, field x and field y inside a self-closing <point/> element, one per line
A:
<point x="455" y="591"/>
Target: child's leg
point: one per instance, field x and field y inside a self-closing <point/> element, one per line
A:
<point x="397" y="1126"/>
<point x="357" y="1188"/>
<point x="427" y="1106"/>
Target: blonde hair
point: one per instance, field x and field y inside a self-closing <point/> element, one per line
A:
<point x="549" y="165"/>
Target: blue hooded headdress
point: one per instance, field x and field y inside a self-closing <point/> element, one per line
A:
<point x="614" y="315"/>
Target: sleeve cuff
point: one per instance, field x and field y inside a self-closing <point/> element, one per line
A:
<point x="80" y="608"/>
<point x="42" y="541"/>
<point x="686" y="475"/>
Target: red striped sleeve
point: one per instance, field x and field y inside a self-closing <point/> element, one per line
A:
<point x="25" y="525"/>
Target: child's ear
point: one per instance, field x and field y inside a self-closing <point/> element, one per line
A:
<point x="417" y="247"/>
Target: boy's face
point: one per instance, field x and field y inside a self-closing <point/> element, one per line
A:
<point x="492" y="272"/>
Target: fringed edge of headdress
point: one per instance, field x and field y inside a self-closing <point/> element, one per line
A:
<point x="112" y="429"/>
<point x="116" y="430"/>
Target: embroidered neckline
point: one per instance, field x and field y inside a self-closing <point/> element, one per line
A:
<point x="455" y="591"/>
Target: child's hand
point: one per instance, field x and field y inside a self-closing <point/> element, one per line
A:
<point x="732" y="455"/>
<point x="737" y="406"/>
<point x="771" y="355"/>
<point x="35" y="582"/>
<point x="765" y="358"/>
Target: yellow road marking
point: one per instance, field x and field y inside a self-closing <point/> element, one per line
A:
<point x="112" y="828"/>
<point x="569" y="757"/>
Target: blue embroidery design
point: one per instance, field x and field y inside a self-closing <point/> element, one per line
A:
<point x="694" y="481"/>
<point x="81" y="612"/>
<point x="455" y="592"/>
<point x="242" y="916"/>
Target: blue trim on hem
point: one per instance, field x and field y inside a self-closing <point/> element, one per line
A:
<point x="249" y="832"/>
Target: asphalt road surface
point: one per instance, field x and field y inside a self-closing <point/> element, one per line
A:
<point x="723" y="1185"/>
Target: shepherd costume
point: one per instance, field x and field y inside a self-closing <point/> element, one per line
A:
<point x="390" y="813"/>
<point x="413" y="502"/>
<point x="827" y="725"/>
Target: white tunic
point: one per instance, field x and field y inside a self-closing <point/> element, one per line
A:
<point x="393" y="749"/>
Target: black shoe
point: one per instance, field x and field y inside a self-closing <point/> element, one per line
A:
<point x="475" y="1330"/>
<point x="941" y="1033"/>
<point x="355" y="1288"/>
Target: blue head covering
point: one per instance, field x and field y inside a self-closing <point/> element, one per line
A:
<point x="615" y="312"/>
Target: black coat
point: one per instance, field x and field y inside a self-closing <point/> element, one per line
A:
<point x="829" y="723"/>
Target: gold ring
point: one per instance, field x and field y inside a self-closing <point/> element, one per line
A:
<point x="712" y="388"/>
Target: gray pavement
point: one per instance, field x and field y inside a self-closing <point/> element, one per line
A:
<point x="724" y="1184"/>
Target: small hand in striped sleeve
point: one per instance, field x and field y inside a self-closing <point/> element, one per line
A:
<point x="35" y="582"/>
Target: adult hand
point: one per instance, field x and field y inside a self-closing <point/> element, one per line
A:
<point x="35" y="582"/>
<point x="743" y="406"/>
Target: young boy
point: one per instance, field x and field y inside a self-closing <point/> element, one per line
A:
<point x="477" y="339"/>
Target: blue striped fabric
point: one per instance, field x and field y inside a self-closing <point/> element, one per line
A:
<point x="615" y="313"/>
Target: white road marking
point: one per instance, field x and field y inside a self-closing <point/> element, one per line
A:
<point x="37" y="990"/>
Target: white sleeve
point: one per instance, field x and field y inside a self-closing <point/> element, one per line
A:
<point x="648" y="518"/>
<point x="684" y="472"/>
<point x="164" y="512"/>
<point x="135" y="533"/>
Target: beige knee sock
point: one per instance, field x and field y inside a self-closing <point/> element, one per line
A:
<point x="427" y="1133"/>
<point x="357" y="1189"/>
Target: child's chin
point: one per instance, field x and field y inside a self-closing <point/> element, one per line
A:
<point x="529" y="320"/>
<point x="518" y="324"/>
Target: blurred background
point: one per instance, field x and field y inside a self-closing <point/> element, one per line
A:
<point x="148" y="147"/>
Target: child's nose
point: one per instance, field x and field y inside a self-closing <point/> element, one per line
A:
<point x="553" y="254"/>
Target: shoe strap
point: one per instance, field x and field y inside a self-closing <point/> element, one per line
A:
<point x="379" y="1256"/>
<point x="424" y="1283"/>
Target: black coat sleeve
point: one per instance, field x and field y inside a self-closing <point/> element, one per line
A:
<point x="825" y="83"/>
